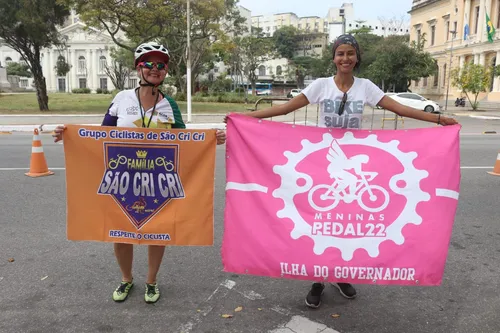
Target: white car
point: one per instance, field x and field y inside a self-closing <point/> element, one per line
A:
<point x="415" y="101"/>
<point x="293" y="93"/>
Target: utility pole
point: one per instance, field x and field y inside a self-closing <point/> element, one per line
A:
<point x="188" y="62"/>
<point x="453" y="34"/>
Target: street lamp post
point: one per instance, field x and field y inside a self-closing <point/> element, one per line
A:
<point x="188" y="62"/>
<point x="453" y="34"/>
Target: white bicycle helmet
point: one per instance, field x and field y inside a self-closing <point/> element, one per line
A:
<point x="151" y="48"/>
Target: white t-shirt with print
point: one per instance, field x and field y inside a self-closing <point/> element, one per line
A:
<point x="125" y="106"/>
<point x="325" y="92"/>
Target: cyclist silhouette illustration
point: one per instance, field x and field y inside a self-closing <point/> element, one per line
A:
<point x="339" y="168"/>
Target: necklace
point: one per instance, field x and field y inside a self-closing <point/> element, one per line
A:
<point x="143" y="113"/>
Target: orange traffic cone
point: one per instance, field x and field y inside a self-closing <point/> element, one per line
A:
<point x="496" y="168"/>
<point x="38" y="164"/>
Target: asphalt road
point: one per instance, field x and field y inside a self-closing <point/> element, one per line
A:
<point x="59" y="286"/>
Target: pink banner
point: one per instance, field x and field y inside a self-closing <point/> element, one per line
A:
<point x="319" y="204"/>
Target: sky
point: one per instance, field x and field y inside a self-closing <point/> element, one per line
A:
<point x="363" y="9"/>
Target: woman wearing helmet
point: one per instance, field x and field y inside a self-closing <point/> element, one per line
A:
<point x="342" y="99"/>
<point x="144" y="106"/>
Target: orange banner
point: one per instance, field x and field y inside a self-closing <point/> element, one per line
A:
<point x="139" y="185"/>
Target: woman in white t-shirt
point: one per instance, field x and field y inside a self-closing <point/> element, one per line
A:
<point x="342" y="99"/>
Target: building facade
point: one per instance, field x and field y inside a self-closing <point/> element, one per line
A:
<point x="455" y="33"/>
<point x="87" y="52"/>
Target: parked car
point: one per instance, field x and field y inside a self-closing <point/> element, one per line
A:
<point x="415" y="101"/>
<point x="293" y="93"/>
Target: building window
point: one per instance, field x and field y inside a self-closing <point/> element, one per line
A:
<point x="278" y="70"/>
<point x="102" y="64"/>
<point x="455" y="29"/>
<point x="419" y="36"/>
<point x="262" y="70"/>
<point x="447" y="30"/>
<point x="83" y="82"/>
<point x="433" y="34"/>
<point x="82" y="66"/>
<point x="24" y="83"/>
<point x="61" y="84"/>
<point x="436" y="76"/>
<point x="103" y="83"/>
<point x="476" y="24"/>
<point x="8" y="60"/>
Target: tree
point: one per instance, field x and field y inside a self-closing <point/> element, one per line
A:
<point x="471" y="79"/>
<point x="28" y="26"/>
<point x="62" y="67"/>
<point x="19" y="69"/>
<point x="255" y="50"/>
<point x="164" y="21"/>
<point x="399" y="62"/>
<point x="368" y="44"/>
<point x="122" y="63"/>
<point x="286" y="42"/>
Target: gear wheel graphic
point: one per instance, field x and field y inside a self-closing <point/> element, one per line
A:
<point x="289" y="188"/>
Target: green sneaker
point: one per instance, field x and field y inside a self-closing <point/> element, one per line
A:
<point x="152" y="293"/>
<point x="121" y="293"/>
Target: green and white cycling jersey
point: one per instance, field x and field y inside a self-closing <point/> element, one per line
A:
<point x="125" y="111"/>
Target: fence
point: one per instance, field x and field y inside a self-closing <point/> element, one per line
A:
<point x="309" y="115"/>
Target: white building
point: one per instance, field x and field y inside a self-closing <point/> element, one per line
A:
<point x="87" y="52"/>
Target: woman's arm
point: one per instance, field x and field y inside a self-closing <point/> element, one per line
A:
<point x="408" y="112"/>
<point x="279" y="110"/>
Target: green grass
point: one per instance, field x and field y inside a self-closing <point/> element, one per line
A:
<point x="61" y="103"/>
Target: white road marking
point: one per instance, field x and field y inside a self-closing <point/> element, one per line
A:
<point x="251" y="295"/>
<point x="281" y="310"/>
<point x="303" y="325"/>
<point x="249" y="187"/>
<point x="442" y="192"/>
<point x="221" y="291"/>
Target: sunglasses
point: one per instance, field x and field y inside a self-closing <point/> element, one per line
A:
<point x="150" y="65"/>
<point x="342" y="104"/>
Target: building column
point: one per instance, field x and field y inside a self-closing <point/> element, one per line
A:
<point x="496" y="82"/>
<point x="482" y="58"/>
<point x="73" y="73"/>
<point x="69" y="82"/>
<point x="51" y="72"/>
<point x="46" y="68"/>
<point x="461" y="61"/>
<point x="482" y="22"/>
<point x="95" y="65"/>
<point x="89" y="69"/>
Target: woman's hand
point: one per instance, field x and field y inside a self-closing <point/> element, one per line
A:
<point x="58" y="133"/>
<point x="447" y="121"/>
<point x="221" y="137"/>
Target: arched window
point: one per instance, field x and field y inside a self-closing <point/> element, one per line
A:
<point x="102" y="64"/>
<point x="8" y="60"/>
<point x="262" y="70"/>
<point x="278" y="70"/>
<point x="82" y="66"/>
<point x="436" y="76"/>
